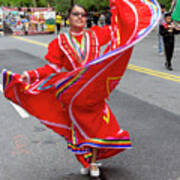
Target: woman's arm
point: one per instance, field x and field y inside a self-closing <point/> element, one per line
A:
<point x="54" y="65"/>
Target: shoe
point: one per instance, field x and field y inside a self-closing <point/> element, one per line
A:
<point x="84" y="171"/>
<point x="170" y="68"/>
<point x="95" y="173"/>
<point x="166" y="64"/>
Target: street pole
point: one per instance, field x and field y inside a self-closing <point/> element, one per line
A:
<point x="72" y="2"/>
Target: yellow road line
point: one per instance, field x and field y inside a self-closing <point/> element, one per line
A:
<point x="30" y="41"/>
<point x="148" y="71"/>
<point x="152" y="72"/>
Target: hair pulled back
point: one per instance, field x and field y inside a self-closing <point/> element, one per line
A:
<point x="78" y="5"/>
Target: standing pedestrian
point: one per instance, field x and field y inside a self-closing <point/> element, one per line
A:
<point x="168" y="30"/>
<point x="58" y="22"/>
<point x="160" y="39"/>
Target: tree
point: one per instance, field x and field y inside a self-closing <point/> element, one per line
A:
<point x="98" y="4"/>
<point x="63" y="5"/>
<point x="167" y="3"/>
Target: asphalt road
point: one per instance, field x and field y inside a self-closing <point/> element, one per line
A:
<point x="146" y="103"/>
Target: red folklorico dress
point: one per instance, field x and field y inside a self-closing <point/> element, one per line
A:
<point x="72" y="103"/>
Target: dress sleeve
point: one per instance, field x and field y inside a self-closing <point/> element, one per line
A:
<point x="103" y="34"/>
<point x="54" y="54"/>
<point x="54" y="65"/>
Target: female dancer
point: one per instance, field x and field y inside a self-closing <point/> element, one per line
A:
<point x="72" y="103"/>
<point x="70" y="51"/>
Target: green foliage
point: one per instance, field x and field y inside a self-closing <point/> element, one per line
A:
<point x="167" y="3"/>
<point x="42" y="3"/>
<point x="15" y="3"/>
<point x="63" y="5"/>
<point x="95" y="4"/>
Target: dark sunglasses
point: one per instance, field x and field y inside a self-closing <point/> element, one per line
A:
<point x="77" y="14"/>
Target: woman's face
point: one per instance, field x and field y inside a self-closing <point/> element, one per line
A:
<point x="77" y="18"/>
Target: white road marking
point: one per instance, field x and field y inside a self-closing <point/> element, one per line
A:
<point x="1" y="88"/>
<point x="20" y="110"/>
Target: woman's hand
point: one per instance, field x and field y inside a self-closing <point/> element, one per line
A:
<point x="24" y="77"/>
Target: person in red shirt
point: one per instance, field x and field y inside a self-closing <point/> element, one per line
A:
<point x="70" y="51"/>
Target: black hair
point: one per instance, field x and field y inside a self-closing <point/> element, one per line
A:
<point x="162" y="6"/>
<point x="79" y="5"/>
<point x="167" y="14"/>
